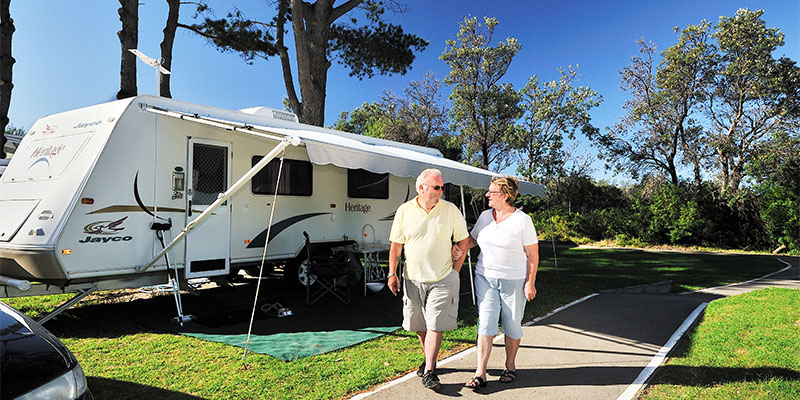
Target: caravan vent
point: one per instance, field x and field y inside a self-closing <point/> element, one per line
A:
<point x="271" y="113"/>
<point x="284" y="115"/>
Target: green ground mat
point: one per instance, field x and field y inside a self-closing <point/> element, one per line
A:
<point x="293" y="346"/>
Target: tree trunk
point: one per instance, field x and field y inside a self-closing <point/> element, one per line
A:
<point x="311" y="26"/>
<point x="128" y="39"/>
<point x="166" y="46"/>
<point x="6" y="66"/>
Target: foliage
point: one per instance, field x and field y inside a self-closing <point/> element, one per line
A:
<point x="776" y="171"/>
<point x="484" y="110"/>
<point x="366" y="49"/>
<point x="551" y="110"/>
<point x="658" y="123"/>
<point x="748" y="98"/>
<point x="418" y="117"/>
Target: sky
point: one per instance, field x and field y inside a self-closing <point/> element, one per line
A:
<point x="68" y="54"/>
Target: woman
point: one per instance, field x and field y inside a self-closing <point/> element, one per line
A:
<point x="505" y="275"/>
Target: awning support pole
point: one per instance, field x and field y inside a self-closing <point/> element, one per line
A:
<point x="78" y="297"/>
<point x="222" y="198"/>
<point x="469" y="257"/>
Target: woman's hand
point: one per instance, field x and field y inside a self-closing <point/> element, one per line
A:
<point x="456" y="251"/>
<point x="530" y="290"/>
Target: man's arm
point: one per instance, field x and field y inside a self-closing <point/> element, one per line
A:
<point x="395" y="250"/>
<point x="463" y="247"/>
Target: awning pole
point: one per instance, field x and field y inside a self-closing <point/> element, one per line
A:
<point x="222" y="198"/>
<point x="469" y="258"/>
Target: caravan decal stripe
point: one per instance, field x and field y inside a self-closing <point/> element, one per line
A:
<point x="280" y="227"/>
<point x="113" y="209"/>
<point x="391" y="216"/>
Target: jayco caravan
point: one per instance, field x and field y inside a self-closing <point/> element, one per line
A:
<point x="112" y="195"/>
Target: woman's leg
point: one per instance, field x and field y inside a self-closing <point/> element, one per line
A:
<point x="488" y="317"/>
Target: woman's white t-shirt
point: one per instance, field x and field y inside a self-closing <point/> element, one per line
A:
<point x="502" y="254"/>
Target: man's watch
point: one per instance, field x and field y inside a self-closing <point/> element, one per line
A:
<point x="390" y="275"/>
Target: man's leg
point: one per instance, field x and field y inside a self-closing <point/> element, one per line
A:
<point x="433" y="339"/>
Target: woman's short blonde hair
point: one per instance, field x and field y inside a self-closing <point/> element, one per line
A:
<point x="509" y="186"/>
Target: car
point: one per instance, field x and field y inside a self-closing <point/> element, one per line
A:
<point x="34" y="364"/>
<point x="3" y="165"/>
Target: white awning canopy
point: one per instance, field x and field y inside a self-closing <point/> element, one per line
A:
<point x="353" y="151"/>
<point x="347" y="152"/>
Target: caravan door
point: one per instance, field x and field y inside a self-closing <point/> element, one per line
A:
<point x="208" y="245"/>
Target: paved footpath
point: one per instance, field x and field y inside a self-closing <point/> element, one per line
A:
<point x="604" y="346"/>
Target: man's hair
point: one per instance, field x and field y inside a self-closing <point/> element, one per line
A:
<point x="424" y="175"/>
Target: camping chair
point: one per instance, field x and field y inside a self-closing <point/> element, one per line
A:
<point x="331" y="271"/>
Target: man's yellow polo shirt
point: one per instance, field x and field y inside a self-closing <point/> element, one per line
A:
<point x="427" y="238"/>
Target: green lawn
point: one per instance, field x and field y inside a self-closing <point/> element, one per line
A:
<point x="127" y="360"/>
<point x="745" y="347"/>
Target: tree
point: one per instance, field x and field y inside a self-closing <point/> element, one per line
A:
<point x="376" y="47"/>
<point x="418" y="117"/>
<point x="484" y="110"/>
<point x="751" y="95"/>
<point x="6" y="66"/>
<point x="775" y="168"/>
<point x="128" y="39"/>
<point x="658" y="125"/>
<point x="551" y="110"/>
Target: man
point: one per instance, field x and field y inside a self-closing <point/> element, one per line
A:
<point x="426" y="227"/>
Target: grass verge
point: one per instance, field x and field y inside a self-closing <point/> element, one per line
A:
<point x="745" y="347"/>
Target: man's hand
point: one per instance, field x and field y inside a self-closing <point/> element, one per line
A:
<point x="394" y="284"/>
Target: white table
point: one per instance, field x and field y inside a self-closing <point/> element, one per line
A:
<point x="370" y="253"/>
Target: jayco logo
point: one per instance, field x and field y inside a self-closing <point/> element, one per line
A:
<point x="105" y="229"/>
<point x="87" y="124"/>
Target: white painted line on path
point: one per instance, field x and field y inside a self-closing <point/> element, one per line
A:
<point x="639" y="382"/>
<point x="462" y="354"/>
<point x="742" y="283"/>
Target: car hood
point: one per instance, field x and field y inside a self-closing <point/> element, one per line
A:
<point x="29" y="354"/>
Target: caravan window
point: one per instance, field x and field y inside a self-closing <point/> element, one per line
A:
<point x="296" y="178"/>
<point x="362" y="184"/>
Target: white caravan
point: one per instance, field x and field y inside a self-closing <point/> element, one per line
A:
<point x="94" y="198"/>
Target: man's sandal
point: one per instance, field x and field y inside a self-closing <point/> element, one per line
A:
<point x="476" y="383"/>
<point x="508" y="376"/>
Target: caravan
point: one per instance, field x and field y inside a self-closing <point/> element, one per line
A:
<point x="113" y="195"/>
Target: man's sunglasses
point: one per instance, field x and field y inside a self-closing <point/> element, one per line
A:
<point x="436" y="188"/>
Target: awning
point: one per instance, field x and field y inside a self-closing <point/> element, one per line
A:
<point x="345" y="152"/>
<point x="353" y="151"/>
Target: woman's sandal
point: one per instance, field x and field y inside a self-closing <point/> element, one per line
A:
<point x="476" y="383"/>
<point x="508" y="376"/>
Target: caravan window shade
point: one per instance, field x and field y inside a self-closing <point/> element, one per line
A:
<point x="296" y="178"/>
<point x="362" y="184"/>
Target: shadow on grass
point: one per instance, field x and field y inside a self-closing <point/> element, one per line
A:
<point x="710" y="376"/>
<point x="107" y="389"/>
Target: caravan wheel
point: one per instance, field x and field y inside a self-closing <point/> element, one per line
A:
<point x="303" y="276"/>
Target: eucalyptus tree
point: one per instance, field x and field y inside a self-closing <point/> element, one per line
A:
<point x="752" y="94"/>
<point x="128" y="39"/>
<point x="365" y="49"/>
<point x="483" y="109"/>
<point x="659" y="129"/>
<point x="551" y="111"/>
